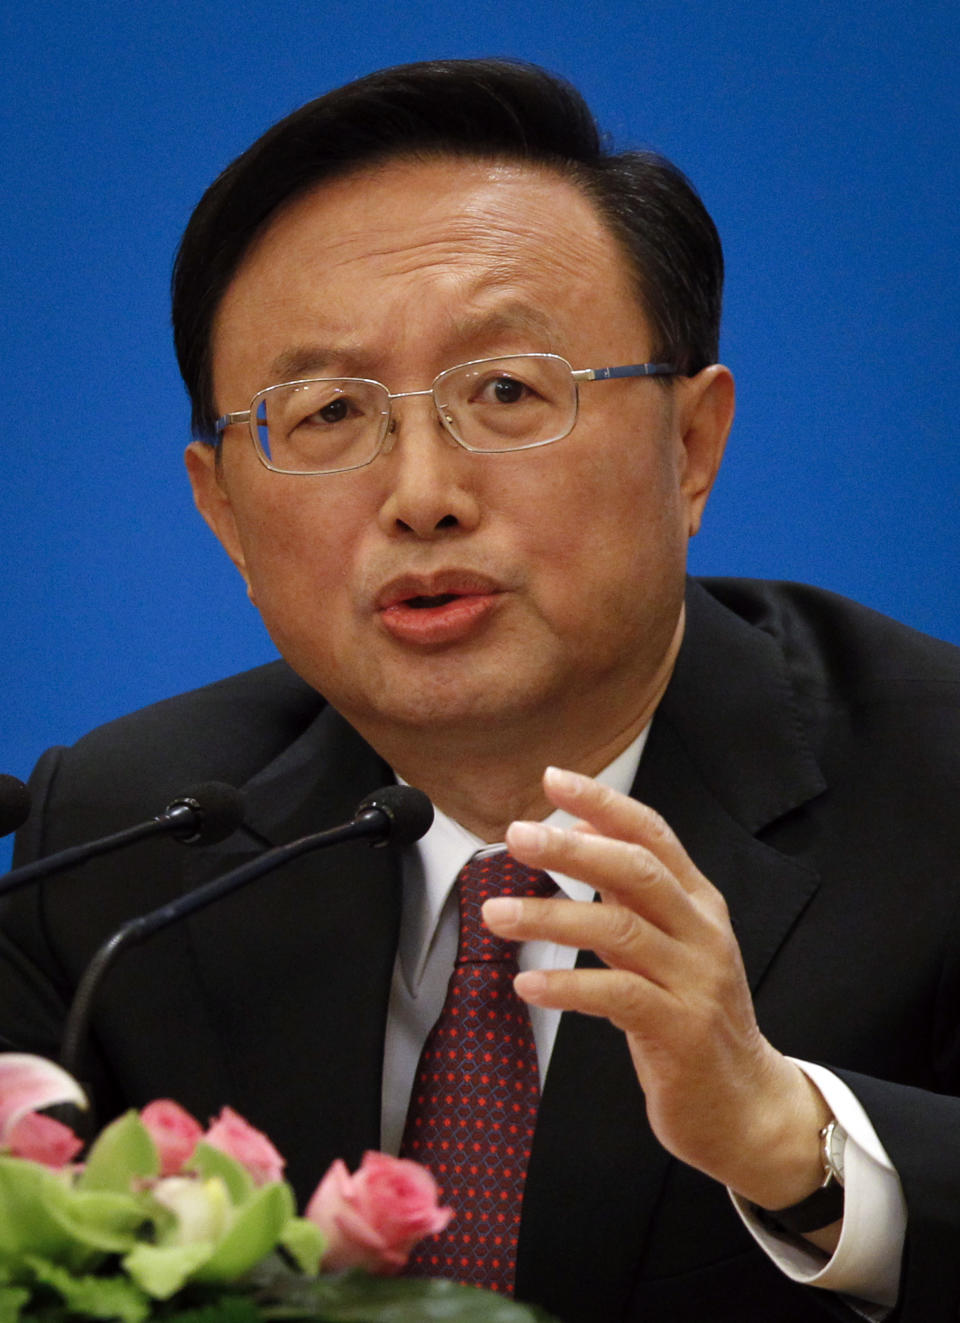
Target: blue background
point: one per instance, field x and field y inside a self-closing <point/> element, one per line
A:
<point x="822" y="136"/>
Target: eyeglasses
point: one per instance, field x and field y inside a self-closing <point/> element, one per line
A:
<point x="335" y="424"/>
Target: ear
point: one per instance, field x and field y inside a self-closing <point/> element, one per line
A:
<point x="705" y="414"/>
<point x="213" y="501"/>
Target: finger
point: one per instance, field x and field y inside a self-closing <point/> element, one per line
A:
<point x="619" y="870"/>
<point x="632" y="1003"/>
<point x="609" y="813"/>
<point x="622" y="939"/>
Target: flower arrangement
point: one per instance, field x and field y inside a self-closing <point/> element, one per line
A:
<point x="166" y="1220"/>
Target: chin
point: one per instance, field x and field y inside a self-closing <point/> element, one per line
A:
<point x="433" y="705"/>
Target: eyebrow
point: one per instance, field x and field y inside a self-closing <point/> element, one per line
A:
<point x="304" y="360"/>
<point x="513" y="316"/>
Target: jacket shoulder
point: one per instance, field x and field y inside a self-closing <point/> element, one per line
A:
<point x="250" y="717"/>
<point x="128" y="768"/>
<point x="832" y="643"/>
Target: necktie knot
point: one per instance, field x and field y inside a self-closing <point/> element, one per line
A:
<point x="480" y="879"/>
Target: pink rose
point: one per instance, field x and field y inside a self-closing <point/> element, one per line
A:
<point x="174" y="1132"/>
<point x="42" y="1139"/>
<point x="374" y="1218"/>
<point x="251" y="1148"/>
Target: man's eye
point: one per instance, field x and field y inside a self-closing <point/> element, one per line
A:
<point x="337" y="411"/>
<point x="504" y="390"/>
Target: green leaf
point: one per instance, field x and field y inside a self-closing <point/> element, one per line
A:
<point x="256" y="1230"/>
<point x="113" y="1297"/>
<point x="161" y="1270"/>
<point x="228" y="1308"/>
<point x="42" y="1213"/>
<point x="355" y="1297"/>
<point x="209" y="1161"/>
<point x="305" y="1243"/>
<point x="123" y="1151"/>
<point x="98" y="1219"/>
<point x="12" y="1300"/>
<point x="27" y="1191"/>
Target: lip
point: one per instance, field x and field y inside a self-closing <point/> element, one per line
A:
<point x="453" y="582"/>
<point x="436" y="609"/>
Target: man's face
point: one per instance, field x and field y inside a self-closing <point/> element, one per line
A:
<point x="437" y="587"/>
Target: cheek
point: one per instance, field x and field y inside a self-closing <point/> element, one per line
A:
<point x="610" y="544"/>
<point x="611" y="505"/>
<point x="296" y="544"/>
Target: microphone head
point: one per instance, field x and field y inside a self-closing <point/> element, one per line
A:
<point x="14" y="803"/>
<point x="408" y="813"/>
<point x="217" y="808"/>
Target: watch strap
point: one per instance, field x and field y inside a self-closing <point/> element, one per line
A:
<point x="822" y="1207"/>
<point x="818" y="1210"/>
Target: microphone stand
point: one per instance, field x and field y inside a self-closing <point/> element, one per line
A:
<point x="209" y="812"/>
<point x="370" y="823"/>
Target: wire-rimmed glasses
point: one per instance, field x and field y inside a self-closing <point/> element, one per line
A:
<point x="491" y="405"/>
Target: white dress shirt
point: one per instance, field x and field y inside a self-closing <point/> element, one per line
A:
<point x="866" y="1262"/>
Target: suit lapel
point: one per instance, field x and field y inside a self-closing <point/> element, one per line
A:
<point x="295" y="968"/>
<point x="725" y="758"/>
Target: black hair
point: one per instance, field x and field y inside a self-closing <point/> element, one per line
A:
<point x="481" y="109"/>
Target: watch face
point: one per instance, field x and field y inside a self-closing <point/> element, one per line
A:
<point x="834" y="1143"/>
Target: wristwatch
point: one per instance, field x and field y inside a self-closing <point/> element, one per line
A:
<point x="825" y="1205"/>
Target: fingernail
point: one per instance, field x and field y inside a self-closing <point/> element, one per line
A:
<point x="531" y="985"/>
<point x="502" y="912"/>
<point x="558" y="778"/>
<point x="527" y="835"/>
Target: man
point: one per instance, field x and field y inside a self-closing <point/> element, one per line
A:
<point x="480" y="566"/>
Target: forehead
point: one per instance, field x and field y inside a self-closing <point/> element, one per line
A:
<point x="458" y="249"/>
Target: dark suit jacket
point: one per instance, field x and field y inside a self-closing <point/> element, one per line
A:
<point x="807" y="752"/>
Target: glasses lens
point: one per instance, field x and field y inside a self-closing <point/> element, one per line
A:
<point x="508" y="403"/>
<point x="320" y="426"/>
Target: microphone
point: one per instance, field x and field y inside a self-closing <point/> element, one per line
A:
<point x="14" y="803"/>
<point x="394" y="815"/>
<point x="408" y="812"/>
<point x="202" y="816"/>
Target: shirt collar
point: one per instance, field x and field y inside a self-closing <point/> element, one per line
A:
<point x="431" y="866"/>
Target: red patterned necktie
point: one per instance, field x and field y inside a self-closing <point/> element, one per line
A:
<point x="477" y="1090"/>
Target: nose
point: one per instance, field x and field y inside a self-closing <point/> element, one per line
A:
<point x="430" y="480"/>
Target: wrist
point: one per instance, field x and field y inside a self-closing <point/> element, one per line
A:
<point x="823" y="1209"/>
<point x="784" y="1142"/>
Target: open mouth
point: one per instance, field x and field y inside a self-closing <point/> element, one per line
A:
<point x="440" y="599"/>
<point x="436" y="619"/>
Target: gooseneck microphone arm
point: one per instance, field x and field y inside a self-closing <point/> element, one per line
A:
<point x="202" y="815"/>
<point x="396" y="815"/>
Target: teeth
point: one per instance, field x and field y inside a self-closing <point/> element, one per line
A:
<point x="422" y="602"/>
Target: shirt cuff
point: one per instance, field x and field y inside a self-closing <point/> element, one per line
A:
<point x="866" y="1262"/>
